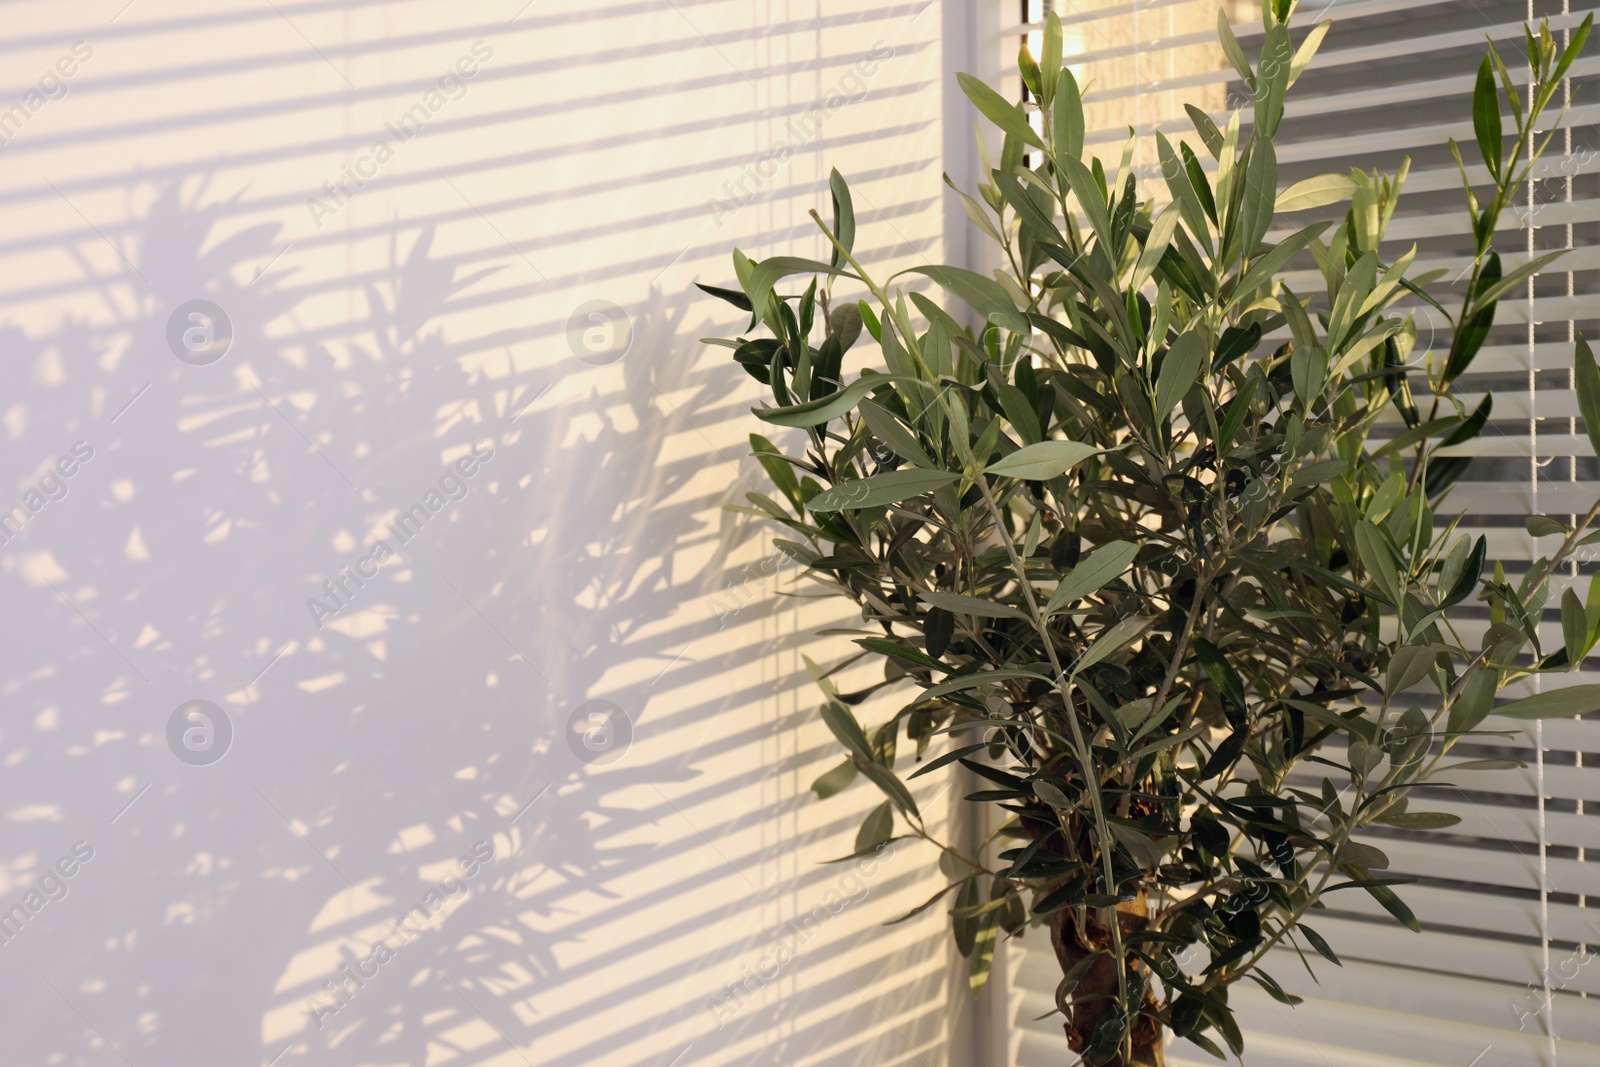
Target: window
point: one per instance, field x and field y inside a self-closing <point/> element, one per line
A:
<point x="1504" y="972"/>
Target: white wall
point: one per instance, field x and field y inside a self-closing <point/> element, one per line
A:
<point x="373" y="346"/>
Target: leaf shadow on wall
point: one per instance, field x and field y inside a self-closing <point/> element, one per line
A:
<point x="370" y="752"/>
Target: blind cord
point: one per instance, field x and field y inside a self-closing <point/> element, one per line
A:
<point x="1572" y="337"/>
<point x="1547" y="1004"/>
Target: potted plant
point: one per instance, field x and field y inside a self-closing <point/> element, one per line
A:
<point x="1133" y="540"/>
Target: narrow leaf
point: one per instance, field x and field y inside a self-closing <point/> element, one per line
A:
<point x="1587" y="375"/>
<point x="844" y="217"/>
<point x="971" y="605"/>
<point x="1068" y="118"/>
<point x="889" y="783"/>
<point x="1092" y="572"/>
<point x="986" y="296"/>
<point x="881" y="489"/>
<point x="1574" y="628"/>
<point x="1320" y="944"/>
<point x="1043" y="461"/>
<point x="817" y="412"/>
<point x="1320" y="191"/>
<point x="998" y="110"/>
<point x="1179" y="370"/>
<point x="842" y="722"/>
<point x="1555" y="704"/>
<point x="1486" y="118"/>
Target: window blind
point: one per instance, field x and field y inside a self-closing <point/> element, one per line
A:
<point x="1505" y="972"/>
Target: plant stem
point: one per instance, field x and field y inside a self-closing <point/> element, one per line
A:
<point x="1063" y="684"/>
<point x="1085" y="755"/>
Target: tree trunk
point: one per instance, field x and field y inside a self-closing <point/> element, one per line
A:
<point x="1101" y="978"/>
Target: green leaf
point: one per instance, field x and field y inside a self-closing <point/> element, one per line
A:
<point x="1307" y="50"/>
<point x="1043" y="461"/>
<point x="1574" y="628"/>
<point x="938" y="630"/>
<point x="1112" y="641"/>
<point x="869" y="319"/>
<point x="1179" y="370"/>
<point x="1067" y="114"/>
<point x="889" y="430"/>
<point x="1378" y="560"/>
<point x="1051" y="794"/>
<point x="1587" y="375"/>
<point x="1184" y="194"/>
<point x="825" y="374"/>
<point x="1092" y="572"/>
<point x="1230" y="48"/>
<point x="1316" y="473"/>
<point x="1420" y="820"/>
<point x="1226" y="754"/>
<point x="1574" y="47"/>
<point x="844" y="217"/>
<point x="732" y="296"/>
<point x="1214" y="1050"/>
<point x="975" y="214"/>
<point x="1408" y="666"/>
<point x="1107" y="1039"/>
<point x="1029" y="68"/>
<point x="1272" y="82"/>
<point x="1386" y="496"/>
<point x="948" y="758"/>
<point x="1238" y="408"/>
<point x="1483" y="765"/>
<point x="1545" y="526"/>
<point x="1274" y="990"/>
<point x="1222" y="673"/>
<point x="975" y="680"/>
<point x="1363" y="855"/>
<point x="1518" y="276"/>
<point x="1555" y="704"/>
<point x="998" y="110"/>
<point x="1260" y="194"/>
<point x="1466" y="579"/>
<point x="817" y="412"/>
<point x="1321" y="945"/>
<point x="1156" y="245"/>
<point x="842" y="721"/>
<point x="1470" y="335"/>
<point x="1379" y="888"/>
<point x="971" y="605"/>
<point x="845" y="320"/>
<point x="986" y="296"/>
<point x="1263" y="270"/>
<point x="1320" y="191"/>
<point x="1591" y="603"/>
<point x="1050" y="54"/>
<point x="777" y="468"/>
<point x="1022" y="413"/>
<point x="891" y="786"/>
<point x="879" y="490"/>
<point x="1027" y="209"/>
<point x="905" y="653"/>
<point x="1486" y="119"/>
<point x="1209" y="134"/>
<point x="1092" y="199"/>
<point x="769" y="272"/>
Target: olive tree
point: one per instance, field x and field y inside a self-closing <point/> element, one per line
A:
<point x="1157" y="549"/>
